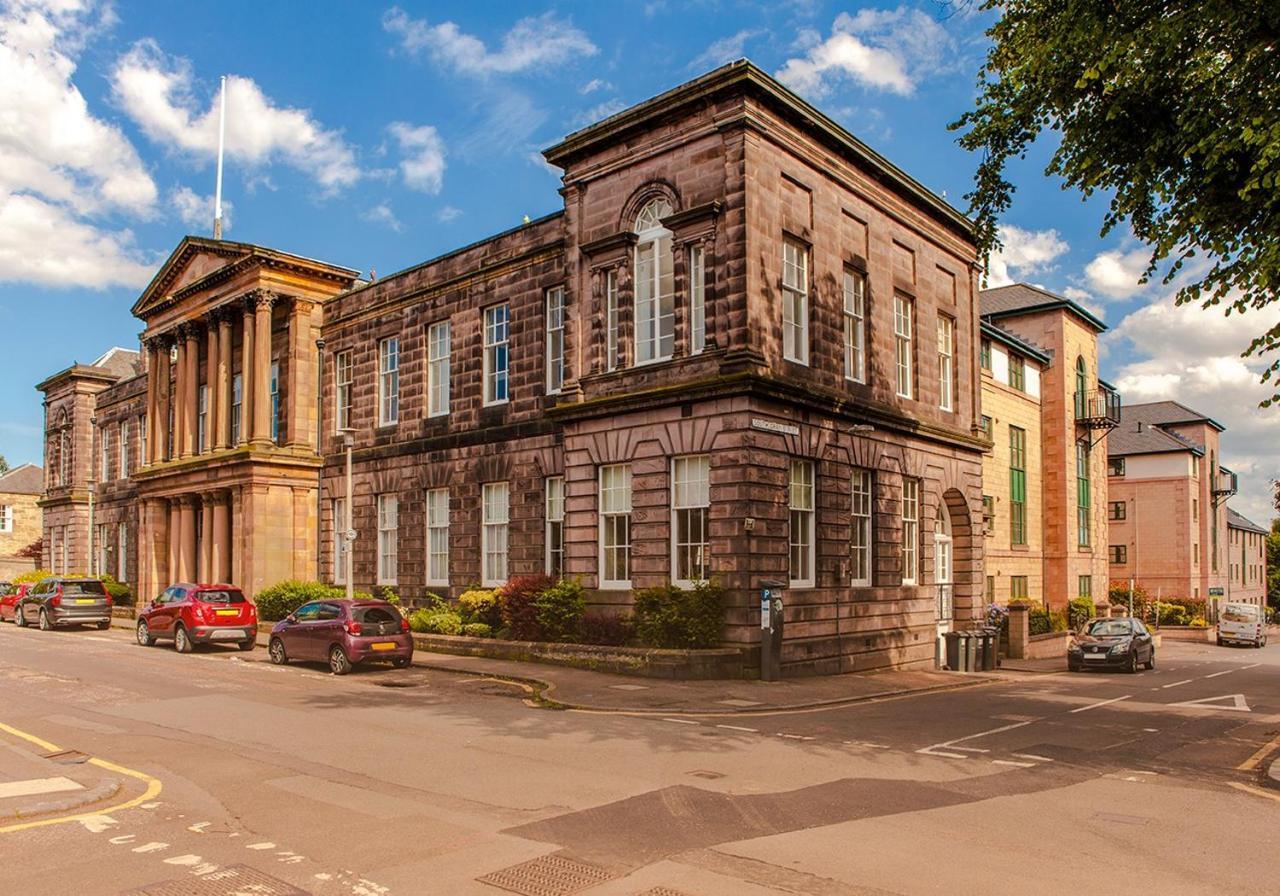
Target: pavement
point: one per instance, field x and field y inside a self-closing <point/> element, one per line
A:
<point x="270" y="780"/>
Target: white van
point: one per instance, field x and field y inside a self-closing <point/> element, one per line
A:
<point x="1242" y="624"/>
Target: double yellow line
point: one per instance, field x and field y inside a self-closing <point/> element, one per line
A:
<point x="153" y="786"/>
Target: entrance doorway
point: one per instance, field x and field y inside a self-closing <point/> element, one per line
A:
<point x="945" y="611"/>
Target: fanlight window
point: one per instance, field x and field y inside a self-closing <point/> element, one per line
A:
<point x="655" y="284"/>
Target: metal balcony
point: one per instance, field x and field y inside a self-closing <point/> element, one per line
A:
<point x="1098" y="409"/>
<point x="1225" y="485"/>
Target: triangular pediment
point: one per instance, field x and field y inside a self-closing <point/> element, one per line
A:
<point x="193" y="260"/>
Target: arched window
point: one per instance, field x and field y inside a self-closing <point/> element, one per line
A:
<point x="655" y="312"/>
<point x="1082" y="387"/>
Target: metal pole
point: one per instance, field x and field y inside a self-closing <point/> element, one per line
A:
<point x="93" y="423"/>
<point x="217" y="191"/>
<point x="1130" y="596"/>
<point x="346" y="536"/>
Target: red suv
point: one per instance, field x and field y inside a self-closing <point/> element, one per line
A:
<point x="343" y="632"/>
<point x="199" y="614"/>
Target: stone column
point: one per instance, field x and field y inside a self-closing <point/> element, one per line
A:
<point x="153" y="403"/>
<point x="246" y="372"/>
<point x="300" y="411"/>
<point x="211" y="361"/>
<point x="186" y="538"/>
<point x="222" y="420"/>
<point x="180" y="397"/>
<point x="173" y="568"/>
<point x="206" y="539"/>
<point x="159" y="444"/>
<point x="220" y="552"/>
<point x="191" y="398"/>
<point x="262" y="368"/>
<point x="237" y="537"/>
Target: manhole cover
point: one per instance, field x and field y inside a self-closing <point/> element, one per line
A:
<point x="548" y="876"/>
<point x="398" y="684"/>
<point x="233" y="880"/>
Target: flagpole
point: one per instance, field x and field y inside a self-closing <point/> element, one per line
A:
<point x="217" y="193"/>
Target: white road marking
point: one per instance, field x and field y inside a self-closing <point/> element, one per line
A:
<point x="1033" y="756"/>
<point x="682" y="721"/>
<point x="940" y="749"/>
<point x="946" y="755"/>
<point x="154" y="846"/>
<point x="96" y="824"/>
<point x="1216" y="674"/>
<point x="1103" y="703"/>
<point x="199" y="827"/>
<point x="794" y="736"/>
<point x="969" y="749"/>
<point x="1237" y="703"/>
<point x="1251" y="666"/>
<point x="188" y="859"/>
<point x="37" y="786"/>
<point x="206" y="868"/>
<point x="1178" y="683"/>
<point x="739" y="728"/>
<point x="123" y="839"/>
<point x="1011" y="762"/>
<point x="260" y="846"/>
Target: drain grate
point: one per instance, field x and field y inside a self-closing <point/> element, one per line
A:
<point x="393" y="683"/>
<point x="233" y="880"/>
<point x="67" y="757"/>
<point x="548" y="876"/>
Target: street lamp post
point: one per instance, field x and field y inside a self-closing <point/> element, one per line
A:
<point x="349" y="536"/>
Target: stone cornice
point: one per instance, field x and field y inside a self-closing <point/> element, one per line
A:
<point x="622" y="240"/>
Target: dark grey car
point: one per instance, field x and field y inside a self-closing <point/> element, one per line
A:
<point x="64" y="601"/>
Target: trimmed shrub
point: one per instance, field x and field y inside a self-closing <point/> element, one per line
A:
<point x="283" y="598"/>
<point x="1038" y="622"/>
<point x="1080" y="611"/>
<point x="669" y="616"/>
<point x="559" y="611"/>
<point x="607" y="629"/>
<point x="121" y="595"/>
<point x="518" y="602"/>
<point x="34" y="575"/>
<point x="477" y="605"/>
<point x="477" y="630"/>
<point x="435" y="622"/>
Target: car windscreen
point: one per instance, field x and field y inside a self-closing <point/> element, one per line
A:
<point x="1240" y="614"/>
<point x="1109" y="628"/>
<point x="375" y="615"/>
<point x="94" y="588"/>
<point x="220" y="596"/>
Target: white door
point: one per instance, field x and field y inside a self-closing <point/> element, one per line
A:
<point x="942" y="577"/>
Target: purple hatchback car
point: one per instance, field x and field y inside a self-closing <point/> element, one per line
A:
<point x="343" y="633"/>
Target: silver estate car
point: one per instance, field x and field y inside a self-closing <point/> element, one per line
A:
<point x="63" y="601"/>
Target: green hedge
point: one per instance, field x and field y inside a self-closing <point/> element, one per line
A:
<point x="283" y="598"/>
<point x="670" y="616"/>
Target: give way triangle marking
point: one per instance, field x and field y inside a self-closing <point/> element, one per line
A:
<point x="1237" y="703"/>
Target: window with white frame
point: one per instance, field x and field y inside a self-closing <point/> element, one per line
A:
<point x="341" y="547"/>
<point x="237" y="407"/>
<point x="388" y="538"/>
<point x="344" y="379"/>
<point x="555" y="526"/>
<point x="497" y="359"/>
<point x="555" y="339"/>
<point x="142" y="440"/>
<point x="902" y="323"/>
<point x="389" y="381"/>
<point x="124" y="449"/>
<point x="275" y="401"/>
<point x="495" y="515"/>
<point x="103" y="548"/>
<point x="202" y="416"/>
<point x="615" y="526"/>
<point x="910" y="531"/>
<point x="611" y="320"/>
<point x="122" y="552"/>
<point x="795" y="301"/>
<point x="691" y="510"/>
<point x="6" y="517"/>
<point x="946" y="363"/>
<point x="697" y="299"/>
<point x="104" y="444"/>
<point x="800" y="502"/>
<point x="655" y="317"/>
<point x="438" y="536"/>
<point x="860" y="519"/>
<point x="855" y="326"/>
<point x="439" y="346"/>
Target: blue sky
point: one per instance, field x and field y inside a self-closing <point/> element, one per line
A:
<point x="378" y="135"/>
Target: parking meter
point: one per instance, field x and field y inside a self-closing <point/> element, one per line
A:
<point x="771" y="630"/>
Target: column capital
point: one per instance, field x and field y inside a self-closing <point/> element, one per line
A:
<point x="258" y="299"/>
<point x="300" y="305"/>
<point x="188" y="331"/>
<point x="183" y="502"/>
<point x="216" y="497"/>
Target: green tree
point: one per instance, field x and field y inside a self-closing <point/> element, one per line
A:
<point x="1172" y="108"/>
<point x="1273" y="564"/>
<point x="4" y="465"/>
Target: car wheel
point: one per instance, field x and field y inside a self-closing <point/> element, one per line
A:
<point x="401" y="662"/>
<point x="248" y="645"/>
<point x="19" y="619"/>
<point x="143" y="634"/>
<point x="338" y="662"/>
<point x="1151" y="662"/>
<point x="1132" y="665"/>
<point x="182" y="641"/>
<point x="103" y="626"/>
<point x="1219" y="640"/>
<point x="276" y="651"/>
<point x="46" y="624"/>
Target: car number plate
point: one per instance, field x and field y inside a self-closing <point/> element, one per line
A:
<point x="85" y="600"/>
<point x="384" y="645"/>
<point x="1095" y="656"/>
<point x="228" y="612"/>
<point x="226" y="635"/>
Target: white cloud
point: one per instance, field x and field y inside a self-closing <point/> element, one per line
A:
<point x="159" y="92"/>
<point x="1023" y="253"/>
<point x="1116" y="272"/>
<point x="448" y="213"/>
<point x="533" y="42"/>
<point x="1192" y="355"/>
<point x="381" y="214"/>
<point x="62" y="169"/>
<point x="878" y="49"/>
<point x="422" y="165"/>
<point x="196" y="211"/>
<point x="593" y="85"/>
<point x="599" y="112"/>
<point x="724" y="50"/>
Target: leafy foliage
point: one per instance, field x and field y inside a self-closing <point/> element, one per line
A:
<point x="1273" y="563"/>
<point x="1172" y="108"/>
<point x="33" y="551"/>
<point x="283" y="598"/>
<point x="477" y="605"/>
<point x="34" y="575"/>
<point x="669" y="616"/>
<point x="607" y="629"/>
<point x="477" y="630"/>
<point x="121" y="594"/>
<point x="1080" y="611"/>
<point x="436" y="622"/>
<point x="518" y="600"/>
<point x="559" y="611"/>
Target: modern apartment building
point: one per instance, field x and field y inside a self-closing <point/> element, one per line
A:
<point x="1246" y="560"/>
<point x="1047" y="413"/>
<point x="746" y="348"/>
<point x="1168" y="501"/>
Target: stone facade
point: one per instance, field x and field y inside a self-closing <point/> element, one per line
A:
<point x="1246" y="560"/>
<point x="614" y="392"/>
<point x="20" y="518"/>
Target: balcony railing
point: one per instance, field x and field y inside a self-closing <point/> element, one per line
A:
<point x="1098" y="409"/>
<point x="1225" y="485"/>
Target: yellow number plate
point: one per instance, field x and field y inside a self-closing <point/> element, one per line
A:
<point x="85" y="600"/>
<point x="384" y="645"/>
<point x="228" y="612"/>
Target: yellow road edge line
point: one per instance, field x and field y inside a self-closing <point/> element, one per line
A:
<point x="1256" y="791"/>
<point x="153" y="786"/>
<point x="1256" y="759"/>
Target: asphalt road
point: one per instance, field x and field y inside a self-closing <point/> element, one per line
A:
<point x="285" y="781"/>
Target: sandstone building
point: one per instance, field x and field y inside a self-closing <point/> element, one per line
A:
<point x="1246" y="560"/>
<point x="746" y="348"/>
<point x="1048" y="413"/>
<point x="20" y="526"/>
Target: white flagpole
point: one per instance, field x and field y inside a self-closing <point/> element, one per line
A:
<point x="217" y="193"/>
